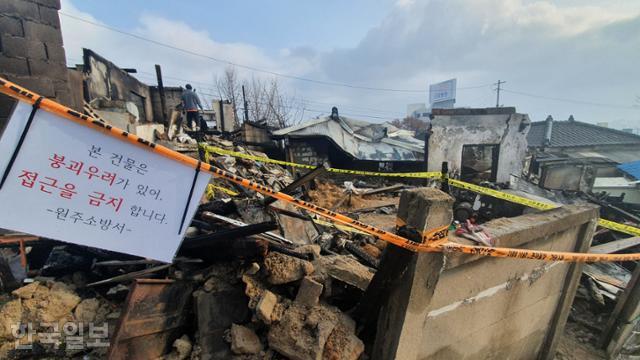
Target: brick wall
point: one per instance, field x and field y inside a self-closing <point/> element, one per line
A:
<point x="31" y="49"/>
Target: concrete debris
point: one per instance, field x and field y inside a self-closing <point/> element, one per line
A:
<point x="244" y="340"/>
<point x="284" y="269"/>
<point x="45" y="305"/>
<point x="247" y="304"/>
<point x="87" y="310"/>
<point x="303" y="333"/>
<point x="342" y="344"/>
<point x="347" y="270"/>
<point x="266" y="306"/>
<point x="182" y="349"/>
<point x="309" y="292"/>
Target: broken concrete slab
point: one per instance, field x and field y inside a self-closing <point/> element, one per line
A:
<point x="303" y="332"/>
<point x="284" y="269"/>
<point x="244" y="340"/>
<point x="36" y="303"/>
<point x="347" y="270"/>
<point x="343" y="345"/>
<point x="50" y="302"/>
<point x="266" y="306"/>
<point x="300" y="337"/>
<point x="309" y="292"/>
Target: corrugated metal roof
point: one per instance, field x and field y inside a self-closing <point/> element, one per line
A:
<point x="631" y="168"/>
<point x="361" y="139"/>
<point x="576" y="133"/>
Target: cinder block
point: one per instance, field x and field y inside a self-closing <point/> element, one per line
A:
<point x="13" y="66"/>
<point x="42" y="32"/>
<point x="55" y="52"/>
<point x="48" y="3"/>
<point x="49" y="16"/>
<point x="20" y="8"/>
<point x="16" y="46"/>
<point x="42" y="86"/>
<point x="10" y="25"/>
<point x="50" y="69"/>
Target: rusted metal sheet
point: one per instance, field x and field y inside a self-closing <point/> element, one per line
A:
<point x="152" y="318"/>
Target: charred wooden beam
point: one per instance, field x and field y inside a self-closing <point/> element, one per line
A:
<point x="206" y="239"/>
<point x="291" y="213"/>
<point x="289" y="189"/>
<point x="208" y="216"/>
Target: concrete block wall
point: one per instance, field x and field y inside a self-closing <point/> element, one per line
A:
<point x="461" y="306"/>
<point x="498" y="308"/>
<point x="306" y="154"/>
<point x="32" y="53"/>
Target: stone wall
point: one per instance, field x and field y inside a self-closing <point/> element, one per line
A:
<point x="32" y="53"/>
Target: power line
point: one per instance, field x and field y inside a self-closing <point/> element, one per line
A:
<point x="305" y="102"/>
<point x="302" y="107"/>
<point x="253" y="68"/>
<point x="581" y="102"/>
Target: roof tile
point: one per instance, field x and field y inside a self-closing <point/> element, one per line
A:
<point x="576" y="133"/>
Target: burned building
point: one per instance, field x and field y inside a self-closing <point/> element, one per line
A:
<point x="128" y="103"/>
<point x="571" y="155"/>
<point x="479" y="144"/>
<point x="114" y="93"/>
<point x="353" y="144"/>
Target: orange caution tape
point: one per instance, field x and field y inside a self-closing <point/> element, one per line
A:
<point x="431" y="245"/>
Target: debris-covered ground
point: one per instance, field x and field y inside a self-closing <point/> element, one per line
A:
<point x="253" y="279"/>
<point x="264" y="281"/>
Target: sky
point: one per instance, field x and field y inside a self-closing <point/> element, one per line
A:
<point x="558" y="58"/>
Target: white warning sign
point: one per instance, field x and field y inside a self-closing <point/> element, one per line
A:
<point x="75" y="184"/>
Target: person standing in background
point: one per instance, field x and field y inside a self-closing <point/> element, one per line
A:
<point x="190" y="104"/>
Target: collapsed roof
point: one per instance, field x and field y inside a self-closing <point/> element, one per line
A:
<point x="360" y="139"/>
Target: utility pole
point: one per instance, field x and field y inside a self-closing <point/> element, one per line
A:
<point x="498" y="92"/>
<point x="246" y="108"/>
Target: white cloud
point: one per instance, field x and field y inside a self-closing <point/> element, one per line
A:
<point x="126" y="51"/>
<point x="585" y="52"/>
<point x="405" y="3"/>
<point x="586" y="49"/>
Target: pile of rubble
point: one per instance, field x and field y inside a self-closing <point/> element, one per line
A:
<point x="254" y="279"/>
